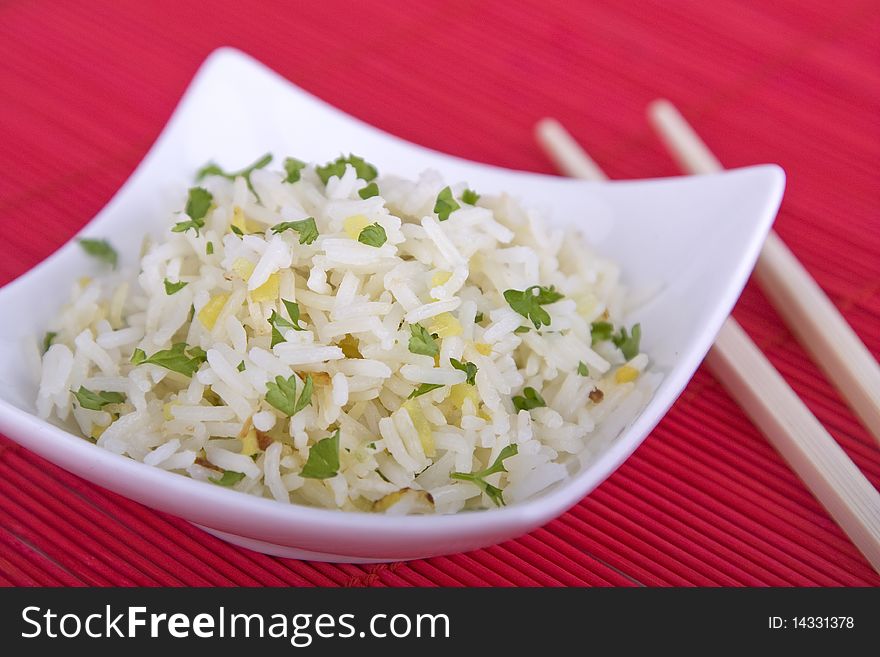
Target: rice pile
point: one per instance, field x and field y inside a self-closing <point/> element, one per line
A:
<point x="324" y="336"/>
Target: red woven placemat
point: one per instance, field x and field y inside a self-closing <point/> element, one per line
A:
<point x="86" y="87"/>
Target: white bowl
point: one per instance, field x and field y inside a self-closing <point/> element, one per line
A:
<point x="697" y="238"/>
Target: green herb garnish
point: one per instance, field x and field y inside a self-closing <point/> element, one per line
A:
<point x="294" y="168"/>
<point x="628" y="344"/>
<point x="479" y="478"/>
<point x="278" y="322"/>
<point x="100" y="250"/>
<point x="373" y="235"/>
<point x="582" y="368"/>
<point x="229" y="478"/>
<point x="282" y="394"/>
<point x="212" y="169"/>
<point x="479" y="317"/>
<point x="470" y="197"/>
<point x="209" y="248"/>
<point x="363" y="169"/>
<point x="323" y="461"/>
<point x="198" y="203"/>
<point x="95" y="401"/>
<point x="423" y="389"/>
<point x="601" y="331"/>
<point x="369" y="191"/>
<point x="468" y="368"/>
<point x="528" y="400"/>
<point x="521" y="329"/>
<point x="241" y="367"/>
<point x="172" y="288"/>
<point x="307" y="229"/>
<point x="445" y="204"/>
<point x="528" y="303"/>
<point x="422" y="342"/>
<point x="175" y="359"/>
<point x="48" y="339"/>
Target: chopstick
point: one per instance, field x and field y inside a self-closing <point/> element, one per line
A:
<point x="773" y="406"/>
<point x="807" y="310"/>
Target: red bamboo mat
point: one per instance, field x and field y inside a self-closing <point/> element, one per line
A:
<point x="86" y="87"/>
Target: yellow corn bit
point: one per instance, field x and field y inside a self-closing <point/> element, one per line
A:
<point x="461" y="391"/>
<point x="243" y="268"/>
<point x="249" y="444"/>
<point x="241" y="222"/>
<point x="97" y="431"/>
<point x="166" y="410"/>
<point x="422" y="427"/>
<point x="354" y="224"/>
<point x="440" y="278"/>
<point x="350" y="346"/>
<point x="268" y="291"/>
<point x="483" y="348"/>
<point x="445" y="325"/>
<point x="626" y="374"/>
<point x="211" y="310"/>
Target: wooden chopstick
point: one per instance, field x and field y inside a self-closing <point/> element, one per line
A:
<point x="775" y="409"/>
<point x="807" y="310"/>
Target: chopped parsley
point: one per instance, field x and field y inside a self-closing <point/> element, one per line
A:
<point x="212" y="169"/>
<point x="445" y="204"/>
<point x="470" y="197"/>
<point x="209" y="248"/>
<point x="479" y="317"/>
<point x="479" y="478"/>
<point x="528" y="303"/>
<point x="173" y="288"/>
<point x="241" y="367"/>
<point x="235" y="229"/>
<point x="363" y="169"/>
<point x="468" y="368"/>
<point x="281" y="394"/>
<point x="323" y="461"/>
<point x="369" y="191"/>
<point x="530" y="399"/>
<point x="582" y="368"/>
<point x="601" y="331"/>
<point x="521" y="329"/>
<point x="294" y="168"/>
<point x="422" y="342"/>
<point x="278" y="322"/>
<point x="100" y="250"/>
<point x="373" y="235"/>
<point x="293" y="311"/>
<point x="48" y="339"/>
<point x="95" y="401"/>
<point x="229" y="478"/>
<point x="424" y="389"/>
<point x="307" y="229"/>
<point x="628" y="344"/>
<point x="175" y="359"/>
<point x="198" y="203"/>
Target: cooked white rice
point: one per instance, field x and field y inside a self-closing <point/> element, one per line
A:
<point x="358" y="303"/>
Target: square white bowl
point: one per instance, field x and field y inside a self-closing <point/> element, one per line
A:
<point x="694" y="239"/>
